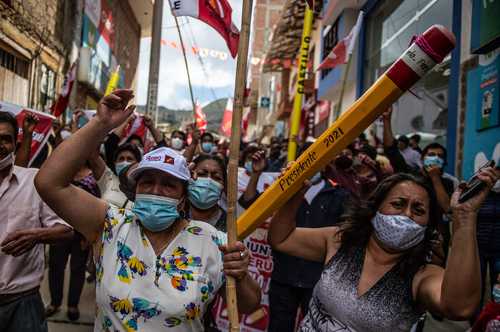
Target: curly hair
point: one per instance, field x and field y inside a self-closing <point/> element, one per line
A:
<point x="356" y="228"/>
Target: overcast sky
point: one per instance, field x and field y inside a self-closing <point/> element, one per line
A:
<point x="218" y="82"/>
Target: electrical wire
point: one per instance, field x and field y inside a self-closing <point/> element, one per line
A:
<point x="200" y="59"/>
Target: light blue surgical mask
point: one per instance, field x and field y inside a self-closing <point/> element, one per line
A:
<point x="204" y="193"/>
<point x="249" y="166"/>
<point x="316" y="178"/>
<point x="433" y="161"/>
<point x="207" y="147"/>
<point x="119" y="167"/>
<point x="156" y="213"/>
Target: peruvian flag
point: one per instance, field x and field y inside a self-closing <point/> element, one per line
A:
<point x="63" y="100"/>
<point x="216" y="13"/>
<point x="136" y="127"/>
<point x="225" y="126"/>
<point x="340" y="53"/>
<point x="245" y="120"/>
<point x="200" y="118"/>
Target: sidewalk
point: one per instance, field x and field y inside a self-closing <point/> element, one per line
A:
<point x="59" y="322"/>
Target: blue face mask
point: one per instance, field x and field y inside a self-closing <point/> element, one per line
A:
<point x="316" y="178"/>
<point x="204" y="193"/>
<point x="156" y="213"/>
<point x="207" y="147"/>
<point x="249" y="166"/>
<point x="119" y="167"/>
<point x="433" y="161"/>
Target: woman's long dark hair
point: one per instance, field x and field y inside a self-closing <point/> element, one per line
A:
<point x="356" y="227"/>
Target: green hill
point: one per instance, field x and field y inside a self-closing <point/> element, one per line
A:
<point x="176" y="118"/>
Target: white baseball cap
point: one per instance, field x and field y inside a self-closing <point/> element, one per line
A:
<point x="163" y="159"/>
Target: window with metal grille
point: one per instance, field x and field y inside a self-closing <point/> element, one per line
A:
<point x="11" y="62"/>
<point x="330" y="39"/>
<point x="47" y="87"/>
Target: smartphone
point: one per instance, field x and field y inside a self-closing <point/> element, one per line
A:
<point x="474" y="185"/>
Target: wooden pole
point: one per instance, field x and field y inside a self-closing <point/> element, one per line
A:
<point x="185" y="59"/>
<point x="232" y="175"/>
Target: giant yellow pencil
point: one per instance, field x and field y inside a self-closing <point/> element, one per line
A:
<point x="423" y="54"/>
<point x="114" y="79"/>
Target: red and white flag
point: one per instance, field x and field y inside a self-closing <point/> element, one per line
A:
<point x="245" y="120"/>
<point x="42" y="129"/>
<point x="136" y="127"/>
<point x="63" y="100"/>
<point x="200" y="118"/>
<point x="216" y="13"/>
<point x="225" y="126"/>
<point x="340" y="53"/>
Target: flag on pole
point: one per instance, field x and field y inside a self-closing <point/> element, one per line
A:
<point x="136" y="127"/>
<point x="216" y="13"/>
<point x="340" y="53"/>
<point x="113" y="81"/>
<point x="245" y="120"/>
<point x="225" y="127"/>
<point x="200" y="118"/>
<point x="63" y="100"/>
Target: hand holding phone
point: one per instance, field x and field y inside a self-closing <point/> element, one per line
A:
<point x="474" y="185"/>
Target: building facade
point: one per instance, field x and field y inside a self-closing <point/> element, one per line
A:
<point x="445" y="106"/>
<point x="35" y="39"/>
<point x="110" y="37"/>
<point x="40" y="40"/>
<point x="266" y="14"/>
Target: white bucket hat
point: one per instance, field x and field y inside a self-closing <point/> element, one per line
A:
<point x="166" y="160"/>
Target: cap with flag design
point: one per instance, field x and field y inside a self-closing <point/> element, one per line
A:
<point x="165" y="160"/>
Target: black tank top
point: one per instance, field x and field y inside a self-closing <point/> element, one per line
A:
<point x="335" y="305"/>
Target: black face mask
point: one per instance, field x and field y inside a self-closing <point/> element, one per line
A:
<point x="343" y="162"/>
<point x="275" y="154"/>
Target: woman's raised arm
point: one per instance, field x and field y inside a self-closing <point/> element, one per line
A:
<point x="455" y="291"/>
<point x="80" y="209"/>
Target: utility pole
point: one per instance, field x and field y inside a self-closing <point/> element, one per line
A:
<point x="154" y="60"/>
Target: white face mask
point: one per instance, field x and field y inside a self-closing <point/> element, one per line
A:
<point x="397" y="232"/>
<point x="177" y="143"/>
<point x="7" y="161"/>
<point x="496" y="187"/>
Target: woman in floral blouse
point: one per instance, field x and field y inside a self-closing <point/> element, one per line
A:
<point x="156" y="270"/>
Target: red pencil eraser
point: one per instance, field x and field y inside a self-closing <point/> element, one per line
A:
<point x="441" y="40"/>
<point x="428" y="50"/>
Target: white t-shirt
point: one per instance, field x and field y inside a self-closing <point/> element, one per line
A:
<point x="109" y="185"/>
<point x="411" y="157"/>
<point x="137" y="290"/>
